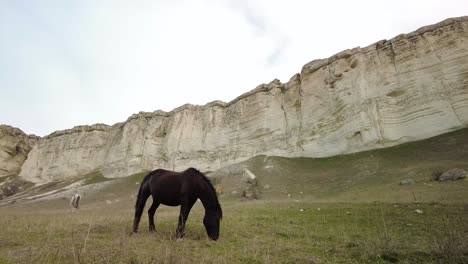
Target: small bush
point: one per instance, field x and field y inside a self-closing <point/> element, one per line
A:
<point x="382" y="247"/>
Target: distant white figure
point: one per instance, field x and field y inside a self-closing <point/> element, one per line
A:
<point x="250" y="174"/>
<point x="75" y="202"/>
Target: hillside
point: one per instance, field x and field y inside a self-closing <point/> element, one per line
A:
<point x="360" y="177"/>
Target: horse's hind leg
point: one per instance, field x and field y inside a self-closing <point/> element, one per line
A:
<point x="151" y="212"/>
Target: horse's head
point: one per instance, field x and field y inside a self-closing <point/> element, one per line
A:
<point x="212" y="222"/>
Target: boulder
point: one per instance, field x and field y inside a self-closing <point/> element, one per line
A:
<point x="251" y="193"/>
<point x="451" y="175"/>
<point x="407" y="182"/>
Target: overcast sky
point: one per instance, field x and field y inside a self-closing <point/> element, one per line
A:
<point x="67" y="63"/>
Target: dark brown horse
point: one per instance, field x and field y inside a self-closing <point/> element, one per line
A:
<point x="179" y="188"/>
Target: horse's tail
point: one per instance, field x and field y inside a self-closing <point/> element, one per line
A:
<point x="142" y="196"/>
<point x="141" y="191"/>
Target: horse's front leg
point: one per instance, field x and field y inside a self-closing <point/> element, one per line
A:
<point x="151" y="212"/>
<point x="185" y="208"/>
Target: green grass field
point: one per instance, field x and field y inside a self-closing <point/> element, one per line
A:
<point x="345" y="209"/>
<point x="251" y="232"/>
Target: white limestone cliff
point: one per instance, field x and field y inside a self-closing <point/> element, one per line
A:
<point x="409" y="88"/>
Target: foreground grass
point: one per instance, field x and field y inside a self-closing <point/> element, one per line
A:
<point x="252" y="232"/>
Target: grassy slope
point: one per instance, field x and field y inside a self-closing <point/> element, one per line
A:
<point x="362" y="177"/>
<point x="273" y="229"/>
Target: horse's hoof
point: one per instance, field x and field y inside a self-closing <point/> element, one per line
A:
<point x="179" y="239"/>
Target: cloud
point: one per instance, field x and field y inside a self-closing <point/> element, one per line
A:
<point x="277" y="55"/>
<point x="251" y="14"/>
<point x="263" y="27"/>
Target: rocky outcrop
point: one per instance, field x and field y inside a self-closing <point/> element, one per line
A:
<point x="14" y="148"/>
<point x="450" y="175"/>
<point x="411" y="87"/>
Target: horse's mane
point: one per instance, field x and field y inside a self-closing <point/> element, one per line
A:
<point x="203" y="176"/>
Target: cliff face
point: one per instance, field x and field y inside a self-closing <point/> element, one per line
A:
<point x="14" y="148"/>
<point x="411" y="87"/>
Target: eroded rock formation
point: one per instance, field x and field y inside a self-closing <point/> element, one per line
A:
<point x="14" y="148"/>
<point x="411" y="87"/>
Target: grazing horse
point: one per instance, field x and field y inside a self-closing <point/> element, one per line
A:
<point x="75" y="201"/>
<point x="179" y="188"/>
